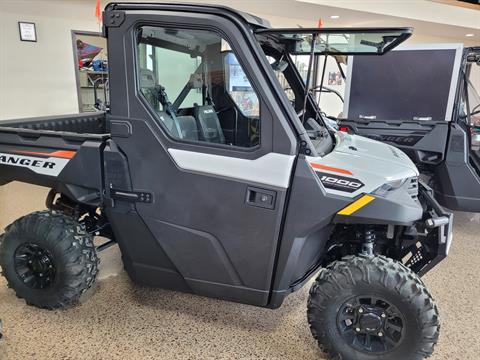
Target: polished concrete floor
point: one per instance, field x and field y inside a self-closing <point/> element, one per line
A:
<point x="119" y="320"/>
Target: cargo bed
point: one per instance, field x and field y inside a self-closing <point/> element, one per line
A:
<point x="64" y="153"/>
<point x="85" y="123"/>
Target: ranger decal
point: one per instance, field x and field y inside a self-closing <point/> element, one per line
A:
<point x="51" y="166"/>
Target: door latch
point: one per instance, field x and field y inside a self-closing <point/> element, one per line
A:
<point x="131" y="196"/>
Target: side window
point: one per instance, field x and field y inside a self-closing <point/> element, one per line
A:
<point x="193" y="82"/>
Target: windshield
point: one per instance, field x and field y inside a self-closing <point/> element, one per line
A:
<point x="307" y="50"/>
<point x="337" y="41"/>
<point x="294" y="57"/>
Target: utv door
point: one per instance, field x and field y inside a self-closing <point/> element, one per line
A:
<point x="197" y="182"/>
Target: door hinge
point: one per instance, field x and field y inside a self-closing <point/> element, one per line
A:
<point x="112" y="18"/>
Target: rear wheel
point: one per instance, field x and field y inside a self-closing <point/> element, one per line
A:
<point x="367" y="308"/>
<point x="48" y="259"/>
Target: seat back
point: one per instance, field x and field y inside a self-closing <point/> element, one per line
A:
<point x="209" y="124"/>
<point x="186" y="125"/>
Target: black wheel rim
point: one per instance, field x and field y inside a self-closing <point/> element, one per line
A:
<point x="34" y="265"/>
<point x="371" y="324"/>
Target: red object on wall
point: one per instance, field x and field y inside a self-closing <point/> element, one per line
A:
<point x="98" y="12"/>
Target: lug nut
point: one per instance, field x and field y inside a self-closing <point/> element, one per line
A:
<point x="357" y="329"/>
<point x="380" y="334"/>
<point x="384" y="316"/>
<point x="360" y="310"/>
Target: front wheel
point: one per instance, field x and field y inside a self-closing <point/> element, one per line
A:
<point x="48" y="259"/>
<point x="367" y="308"/>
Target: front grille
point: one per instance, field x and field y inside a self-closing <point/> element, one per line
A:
<point x="412" y="187"/>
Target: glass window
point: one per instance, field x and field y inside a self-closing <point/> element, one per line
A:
<point x="194" y="83"/>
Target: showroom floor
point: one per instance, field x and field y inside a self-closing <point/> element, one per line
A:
<point x="119" y="320"/>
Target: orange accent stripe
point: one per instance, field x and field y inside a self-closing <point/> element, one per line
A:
<point x="329" y="168"/>
<point x="59" y="153"/>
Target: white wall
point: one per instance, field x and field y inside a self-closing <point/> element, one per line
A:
<point x="38" y="78"/>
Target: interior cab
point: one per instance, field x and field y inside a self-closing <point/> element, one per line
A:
<point x="197" y="89"/>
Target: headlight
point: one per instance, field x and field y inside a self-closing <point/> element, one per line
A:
<point x="389" y="186"/>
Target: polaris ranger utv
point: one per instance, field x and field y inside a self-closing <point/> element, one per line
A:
<point x="212" y="182"/>
<point x="430" y="109"/>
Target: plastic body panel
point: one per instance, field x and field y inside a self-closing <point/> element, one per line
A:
<point x="86" y="123"/>
<point x="457" y="181"/>
<point x="306" y="231"/>
<point x="80" y="177"/>
<point x="423" y="141"/>
<point x="440" y="149"/>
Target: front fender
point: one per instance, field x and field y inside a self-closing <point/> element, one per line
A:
<point x="400" y="209"/>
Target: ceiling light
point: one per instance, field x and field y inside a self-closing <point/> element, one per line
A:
<point x="469" y="35"/>
<point x="335" y="17"/>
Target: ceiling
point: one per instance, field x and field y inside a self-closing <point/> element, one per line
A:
<point x="424" y="31"/>
<point x="469" y="4"/>
<point x="432" y="20"/>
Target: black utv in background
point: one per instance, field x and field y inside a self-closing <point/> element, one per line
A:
<point x="212" y="181"/>
<point x="429" y="107"/>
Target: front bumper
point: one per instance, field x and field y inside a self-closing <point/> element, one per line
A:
<point x="436" y="227"/>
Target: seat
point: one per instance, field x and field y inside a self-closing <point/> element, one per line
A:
<point x="208" y="124"/>
<point x="186" y="127"/>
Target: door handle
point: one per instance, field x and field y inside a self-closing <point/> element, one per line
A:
<point x="261" y="198"/>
